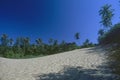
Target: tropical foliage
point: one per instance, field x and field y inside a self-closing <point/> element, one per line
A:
<point x="106" y="14"/>
<point x="77" y="36"/>
<point x="110" y="36"/>
<point x="22" y="48"/>
<point x="87" y="44"/>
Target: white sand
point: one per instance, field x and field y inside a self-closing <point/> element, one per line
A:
<point x="30" y="69"/>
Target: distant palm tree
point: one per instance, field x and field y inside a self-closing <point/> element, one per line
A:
<point x="86" y="43"/>
<point x="55" y="42"/>
<point x="39" y="41"/>
<point x="26" y="44"/>
<point x="63" y="42"/>
<point x="18" y="42"/>
<point x="77" y="36"/>
<point x="11" y="41"/>
<point x="26" y="41"/>
<point x="4" y="40"/>
<point x="51" y="41"/>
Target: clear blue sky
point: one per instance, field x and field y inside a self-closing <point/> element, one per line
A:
<point x="57" y="19"/>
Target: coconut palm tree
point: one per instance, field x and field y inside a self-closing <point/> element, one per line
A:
<point x="77" y="36"/>
<point x="4" y="40"/>
<point x="39" y="41"/>
<point x="106" y="14"/>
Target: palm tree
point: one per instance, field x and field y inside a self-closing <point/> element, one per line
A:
<point x="4" y="40"/>
<point x="106" y="14"/>
<point x="18" y="42"/>
<point x="26" y="44"/>
<point x="51" y="41"/>
<point x="55" y="42"/>
<point x="39" y="41"/>
<point x="11" y="41"/>
<point x="86" y="43"/>
<point x="77" y="36"/>
<point x="55" y="46"/>
<point x="26" y="41"/>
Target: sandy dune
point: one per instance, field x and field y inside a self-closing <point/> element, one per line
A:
<point x="80" y="64"/>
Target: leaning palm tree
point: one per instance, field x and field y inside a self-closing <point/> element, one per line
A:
<point x="39" y="41"/>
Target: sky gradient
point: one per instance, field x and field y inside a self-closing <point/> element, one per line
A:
<point x="57" y="19"/>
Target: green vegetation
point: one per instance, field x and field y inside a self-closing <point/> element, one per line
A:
<point x="106" y="14"/>
<point x="87" y="44"/>
<point x="110" y="36"/>
<point x="114" y="59"/>
<point x="22" y="48"/>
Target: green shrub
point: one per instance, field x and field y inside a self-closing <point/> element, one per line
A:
<point x="112" y="36"/>
<point x="114" y="59"/>
<point x="11" y="54"/>
<point x="22" y="48"/>
<point x="87" y="44"/>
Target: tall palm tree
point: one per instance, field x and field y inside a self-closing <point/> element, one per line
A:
<point x="106" y="14"/>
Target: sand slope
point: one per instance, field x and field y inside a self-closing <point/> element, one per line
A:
<point x="80" y="64"/>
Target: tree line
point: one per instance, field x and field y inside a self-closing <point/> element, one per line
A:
<point x="22" y="48"/>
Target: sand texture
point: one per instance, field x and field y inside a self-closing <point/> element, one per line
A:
<point x="80" y="64"/>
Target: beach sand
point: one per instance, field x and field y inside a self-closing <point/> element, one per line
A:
<point x="80" y="64"/>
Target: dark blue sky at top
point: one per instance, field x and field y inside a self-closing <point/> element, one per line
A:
<point x="57" y="19"/>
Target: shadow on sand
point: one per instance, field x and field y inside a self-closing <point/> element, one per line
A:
<point x="78" y="73"/>
<point x="102" y="72"/>
<point x="97" y="49"/>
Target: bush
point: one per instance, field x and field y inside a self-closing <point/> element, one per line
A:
<point x="22" y="48"/>
<point x="114" y="59"/>
<point x="11" y="54"/>
<point x="87" y="44"/>
<point x="112" y="36"/>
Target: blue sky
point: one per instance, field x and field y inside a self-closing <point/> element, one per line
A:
<point x="57" y="19"/>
